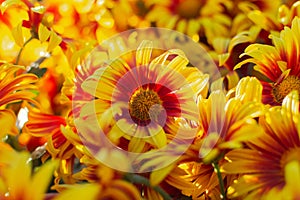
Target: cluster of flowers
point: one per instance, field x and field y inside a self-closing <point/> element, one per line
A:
<point x="83" y="121"/>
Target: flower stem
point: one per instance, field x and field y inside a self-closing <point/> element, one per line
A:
<point x="21" y="50"/>
<point x="134" y="178"/>
<point x="221" y="183"/>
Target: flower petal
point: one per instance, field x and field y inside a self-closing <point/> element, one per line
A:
<point x="143" y="53"/>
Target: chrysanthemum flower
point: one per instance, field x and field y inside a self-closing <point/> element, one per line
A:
<point x="105" y="183"/>
<point x="279" y="63"/>
<point x="245" y="29"/>
<point x="26" y="38"/>
<point x="14" y="88"/>
<point x="133" y="14"/>
<point x="114" y="190"/>
<point x="225" y="125"/>
<point x="281" y="16"/>
<point x="59" y="140"/>
<point x="190" y="17"/>
<point x="144" y="96"/>
<point x="270" y="167"/>
<point x="197" y="180"/>
<point x="17" y="180"/>
<point x="80" y="20"/>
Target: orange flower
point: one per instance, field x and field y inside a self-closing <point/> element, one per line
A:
<point x="190" y="17"/>
<point x="225" y="124"/>
<point x="139" y="97"/>
<point x="59" y="141"/>
<point x="13" y="88"/>
<point x="270" y="166"/>
<point x="81" y="21"/>
<point x="279" y="63"/>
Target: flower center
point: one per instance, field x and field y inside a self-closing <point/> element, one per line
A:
<point x="189" y="8"/>
<point x="141" y="105"/>
<point x="285" y="87"/>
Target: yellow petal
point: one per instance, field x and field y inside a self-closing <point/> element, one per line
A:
<point x="43" y="32"/>
<point x="181" y="25"/>
<point x="157" y="136"/>
<point x="243" y="186"/>
<point x="244" y="131"/>
<point x="54" y="41"/>
<point x="223" y="58"/>
<point x="260" y="19"/>
<point x="249" y="89"/>
<point x="158" y="175"/>
<point x="41" y="180"/>
<point x="114" y="158"/>
<point x="8" y="123"/>
<point x="143" y="53"/>
<point x="18" y="35"/>
<point x="79" y="192"/>
<point x="6" y="4"/>
<point x="79" y="55"/>
<point x="136" y="145"/>
<point x="155" y="159"/>
<point x="18" y="174"/>
<point x="179" y="62"/>
<point x="233" y="79"/>
<point x="192" y="27"/>
<point x="290" y="103"/>
<point x="127" y="189"/>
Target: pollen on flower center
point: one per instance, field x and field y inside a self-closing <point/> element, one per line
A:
<point x="140" y="104"/>
<point x="189" y="8"/>
<point x="285" y="87"/>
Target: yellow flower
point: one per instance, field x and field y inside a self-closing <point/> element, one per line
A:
<point x="227" y="124"/>
<point x="117" y="189"/>
<point x="104" y="183"/>
<point x="196" y="180"/>
<point x="246" y="28"/>
<point x="80" y="20"/>
<point x="17" y="181"/>
<point x="60" y="140"/>
<point x="139" y="96"/>
<point x="279" y="63"/>
<point x="14" y="88"/>
<point x="95" y="171"/>
<point x="190" y="17"/>
<point x="286" y="12"/>
<point x="270" y="166"/>
<point x="133" y="13"/>
<point x="275" y="21"/>
<point x="269" y="7"/>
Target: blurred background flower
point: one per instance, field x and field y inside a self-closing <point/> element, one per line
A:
<point x="227" y="134"/>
